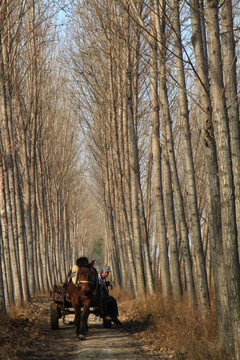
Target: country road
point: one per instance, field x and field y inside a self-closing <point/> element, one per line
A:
<point x="27" y="335"/>
<point x="100" y="344"/>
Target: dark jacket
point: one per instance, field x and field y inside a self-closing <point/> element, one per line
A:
<point x="104" y="285"/>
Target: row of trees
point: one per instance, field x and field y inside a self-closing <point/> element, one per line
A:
<point x="155" y="88"/>
<point x="42" y="176"/>
<point x="138" y="120"/>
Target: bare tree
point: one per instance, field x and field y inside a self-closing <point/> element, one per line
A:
<point x="222" y="137"/>
<point x="230" y="83"/>
<point x="212" y="184"/>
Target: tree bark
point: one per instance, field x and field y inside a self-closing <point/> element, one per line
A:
<point x="222" y="137"/>
<point x="157" y="171"/>
<point x="231" y="93"/>
<point x="193" y="214"/>
<point x="212" y="183"/>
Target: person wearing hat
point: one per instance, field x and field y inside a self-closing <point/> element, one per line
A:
<point x="109" y="302"/>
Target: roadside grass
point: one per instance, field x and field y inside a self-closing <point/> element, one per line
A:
<point x="172" y="328"/>
<point x="169" y="330"/>
<point x="23" y="328"/>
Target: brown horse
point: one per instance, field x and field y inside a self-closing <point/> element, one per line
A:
<point x="82" y="294"/>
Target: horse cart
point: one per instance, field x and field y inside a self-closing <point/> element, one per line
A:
<point x="61" y="306"/>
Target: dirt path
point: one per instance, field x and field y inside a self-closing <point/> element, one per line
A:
<point x="100" y="344"/>
<point x="27" y="335"/>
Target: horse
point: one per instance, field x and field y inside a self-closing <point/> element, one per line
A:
<point x="82" y="290"/>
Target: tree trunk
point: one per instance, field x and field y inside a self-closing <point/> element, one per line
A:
<point x="8" y="170"/>
<point x="231" y="93"/>
<point x="134" y="174"/>
<point x="212" y="183"/>
<point x="222" y="137"/>
<point x="157" y="172"/>
<point x="193" y="214"/>
<point x="164" y="106"/>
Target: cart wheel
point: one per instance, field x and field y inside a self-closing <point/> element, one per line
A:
<point x="54" y="316"/>
<point x="107" y="323"/>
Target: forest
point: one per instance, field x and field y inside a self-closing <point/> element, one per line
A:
<point x="120" y="141"/>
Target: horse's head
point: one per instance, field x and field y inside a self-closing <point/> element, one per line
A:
<point x="86" y="280"/>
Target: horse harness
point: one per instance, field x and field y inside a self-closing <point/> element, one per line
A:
<point x="79" y="282"/>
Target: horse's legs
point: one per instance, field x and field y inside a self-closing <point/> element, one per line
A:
<point x="77" y="319"/>
<point x="84" y="319"/>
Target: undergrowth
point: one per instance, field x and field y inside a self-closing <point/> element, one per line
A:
<point x="173" y="327"/>
<point x="23" y="328"/>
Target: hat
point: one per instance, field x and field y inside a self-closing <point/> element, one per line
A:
<point x="106" y="268"/>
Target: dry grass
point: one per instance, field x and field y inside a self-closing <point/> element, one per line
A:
<point x="168" y="331"/>
<point x="23" y="328"/>
<point x="173" y="328"/>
